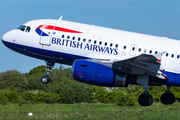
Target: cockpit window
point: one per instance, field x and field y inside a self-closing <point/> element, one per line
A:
<point x="19" y="27"/>
<point x="23" y="28"/>
<point x="28" y="29"/>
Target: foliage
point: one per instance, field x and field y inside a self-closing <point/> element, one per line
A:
<point x="3" y="98"/>
<point x="104" y="94"/>
<point x="38" y="70"/>
<point x="20" y="88"/>
<point x="12" y="79"/>
<point x="38" y="97"/>
<point x="131" y="100"/>
<point x="12" y="95"/>
<point x="121" y="99"/>
<point x="75" y="93"/>
<point x="53" y="98"/>
<point x="20" y="101"/>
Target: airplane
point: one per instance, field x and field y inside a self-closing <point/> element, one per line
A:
<point x="101" y="56"/>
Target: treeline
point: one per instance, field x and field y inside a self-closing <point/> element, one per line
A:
<point x="19" y="88"/>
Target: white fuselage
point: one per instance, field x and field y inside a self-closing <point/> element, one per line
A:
<point x="120" y="44"/>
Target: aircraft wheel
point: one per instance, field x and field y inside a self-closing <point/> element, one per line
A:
<point x="167" y="98"/>
<point x="45" y="79"/>
<point x="145" y="100"/>
<point x="151" y="100"/>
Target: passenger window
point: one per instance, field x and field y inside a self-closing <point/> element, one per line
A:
<point x="23" y="28"/>
<point x="62" y="36"/>
<point x="124" y="47"/>
<point x="73" y="38"/>
<point x="116" y="45"/>
<point x="172" y="55"/>
<point x="111" y="44"/>
<point x="95" y="42"/>
<point x="177" y="56"/>
<point x="156" y="52"/>
<point x="28" y="29"/>
<point x="105" y="43"/>
<point x="84" y="40"/>
<point x="89" y="40"/>
<point x="68" y="37"/>
<point x="139" y="50"/>
<point x="100" y="42"/>
<point x="79" y="39"/>
<point x="150" y="51"/>
<point x="167" y="54"/>
<point x="133" y="48"/>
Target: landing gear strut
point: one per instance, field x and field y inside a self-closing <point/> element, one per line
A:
<point x="144" y="99"/>
<point x="168" y="98"/>
<point x="46" y="79"/>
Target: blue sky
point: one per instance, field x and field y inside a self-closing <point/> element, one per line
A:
<point x="153" y="17"/>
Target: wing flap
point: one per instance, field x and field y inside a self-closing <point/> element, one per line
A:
<point x="142" y="64"/>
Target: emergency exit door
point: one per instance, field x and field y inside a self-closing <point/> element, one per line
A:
<point x="46" y="34"/>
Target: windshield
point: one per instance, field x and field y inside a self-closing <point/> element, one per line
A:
<point x="19" y="27"/>
<point x="24" y="28"/>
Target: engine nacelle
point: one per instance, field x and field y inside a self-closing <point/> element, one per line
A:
<point x="98" y="74"/>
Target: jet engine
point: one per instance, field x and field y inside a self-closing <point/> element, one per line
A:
<point x="98" y="74"/>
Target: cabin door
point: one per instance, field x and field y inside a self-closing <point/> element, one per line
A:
<point x="46" y="34"/>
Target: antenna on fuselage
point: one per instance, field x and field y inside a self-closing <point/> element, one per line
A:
<point x="60" y="17"/>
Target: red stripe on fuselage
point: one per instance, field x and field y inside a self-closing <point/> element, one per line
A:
<point x="58" y="29"/>
<point x="40" y="26"/>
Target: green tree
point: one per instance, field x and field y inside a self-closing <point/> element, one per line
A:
<point x="104" y="94"/>
<point x="37" y="70"/>
<point x="13" y="79"/>
<point x="75" y="93"/>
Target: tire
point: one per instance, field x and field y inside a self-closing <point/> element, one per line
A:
<point x="172" y="98"/>
<point x="151" y="100"/>
<point x="167" y="98"/>
<point x="45" y="79"/>
<point x="145" y="100"/>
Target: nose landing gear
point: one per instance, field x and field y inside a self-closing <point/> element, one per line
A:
<point x="46" y="79"/>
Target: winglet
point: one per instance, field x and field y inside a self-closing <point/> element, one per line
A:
<point x="60" y="18"/>
<point x="159" y="55"/>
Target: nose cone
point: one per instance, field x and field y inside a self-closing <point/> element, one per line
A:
<point x="4" y="37"/>
<point x="8" y="37"/>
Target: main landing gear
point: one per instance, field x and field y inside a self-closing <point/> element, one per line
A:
<point x="168" y="98"/>
<point x="146" y="99"/>
<point x="46" y="79"/>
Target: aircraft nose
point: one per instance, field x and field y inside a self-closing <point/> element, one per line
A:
<point x="5" y="37"/>
<point x="9" y="36"/>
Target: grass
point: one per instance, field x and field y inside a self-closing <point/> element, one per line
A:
<point x="85" y="111"/>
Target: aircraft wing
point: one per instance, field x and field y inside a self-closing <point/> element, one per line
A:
<point x="142" y="64"/>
